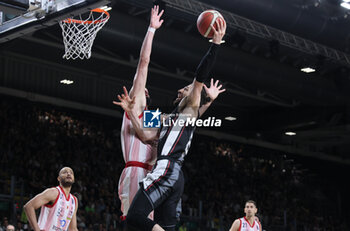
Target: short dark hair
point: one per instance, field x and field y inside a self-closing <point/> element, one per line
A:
<point x="251" y="201"/>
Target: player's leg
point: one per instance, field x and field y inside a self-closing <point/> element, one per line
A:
<point x="138" y="212"/>
<point x="123" y="192"/>
<point x="154" y="190"/>
<point x="167" y="215"/>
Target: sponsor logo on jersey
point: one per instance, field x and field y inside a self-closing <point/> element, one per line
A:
<point x="63" y="223"/>
<point x="57" y="228"/>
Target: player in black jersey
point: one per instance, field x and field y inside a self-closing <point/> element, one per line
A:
<point x="161" y="189"/>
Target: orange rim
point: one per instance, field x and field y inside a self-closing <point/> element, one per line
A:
<point x="98" y="10"/>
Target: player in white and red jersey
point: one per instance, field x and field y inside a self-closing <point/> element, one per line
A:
<point x="250" y="222"/>
<point x="58" y="206"/>
<point x="139" y="159"/>
<point x="138" y="156"/>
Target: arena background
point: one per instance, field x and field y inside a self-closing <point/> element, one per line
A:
<point x="299" y="182"/>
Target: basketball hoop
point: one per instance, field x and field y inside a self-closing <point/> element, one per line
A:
<point x="79" y="35"/>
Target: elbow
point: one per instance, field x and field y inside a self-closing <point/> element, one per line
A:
<point x="145" y="139"/>
<point x="141" y="137"/>
<point x="26" y="207"/>
<point x="144" y="61"/>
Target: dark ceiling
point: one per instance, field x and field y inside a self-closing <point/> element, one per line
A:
<point x="266" y="90"/>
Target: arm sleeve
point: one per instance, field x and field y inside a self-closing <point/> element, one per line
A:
<point x="206" y="65"/>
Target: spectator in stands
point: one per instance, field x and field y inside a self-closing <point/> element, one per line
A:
<point x="4" y="224"/>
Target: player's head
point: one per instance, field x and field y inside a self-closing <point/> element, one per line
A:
<point x="182" y="93"/>
<point x="250" y="208"/>
<point x="5" y="221"/>
<point x="66" y="177"/>
<point x="148" y="98"/>
<point x="185" y="91"/>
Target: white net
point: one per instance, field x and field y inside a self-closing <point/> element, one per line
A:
<point x="79" y="35"/>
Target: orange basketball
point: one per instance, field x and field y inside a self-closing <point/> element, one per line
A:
<point x="207" y="18"/>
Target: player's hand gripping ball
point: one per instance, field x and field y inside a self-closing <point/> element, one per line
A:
<point x="207" y="18"/>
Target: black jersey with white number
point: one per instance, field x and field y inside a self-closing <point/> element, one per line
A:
<point x="176" y="136"/>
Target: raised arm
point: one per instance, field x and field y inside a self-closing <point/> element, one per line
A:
<point x="140" y="79"/>
<point x="128" y="104"/>
<point x="49" y="195"/>
<point x="204" y="68"/>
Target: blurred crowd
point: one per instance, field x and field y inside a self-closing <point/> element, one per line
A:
<point x="36" y="141"/>
<point x="288" y="196"/>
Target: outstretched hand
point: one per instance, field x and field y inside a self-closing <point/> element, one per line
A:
<point x="219" y="32"/>
<point x="125" y="101"/>
<point x="214" y="90"/>
<point x="155" y="20"/>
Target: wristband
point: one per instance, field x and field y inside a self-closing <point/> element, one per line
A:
<point x="151" y="29"/>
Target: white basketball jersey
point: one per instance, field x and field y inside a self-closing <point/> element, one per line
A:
<point x="132" y="147"/>
<point x="133" y="151"/>
<point x="57" y="217"/>
<point x="245" y="225"/>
